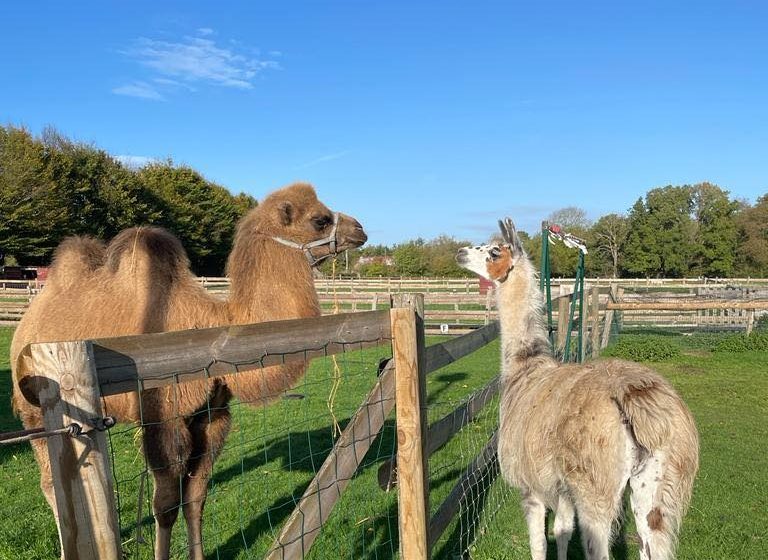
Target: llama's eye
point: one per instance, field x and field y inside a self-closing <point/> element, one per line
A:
<point x="495" y="253"/>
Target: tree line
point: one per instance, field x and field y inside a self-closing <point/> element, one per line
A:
<point x="671" y="232"/>
<point x="52" y="187"/>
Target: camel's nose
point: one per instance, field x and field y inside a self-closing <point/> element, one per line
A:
<point x="354" y="230"/>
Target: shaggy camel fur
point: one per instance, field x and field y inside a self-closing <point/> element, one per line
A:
<point x="572" y="435"/>
<point x="141" y="283"/>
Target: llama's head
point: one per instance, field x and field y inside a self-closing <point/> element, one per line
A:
<point x="494" y="262"/>
<point x="295" y="217"/>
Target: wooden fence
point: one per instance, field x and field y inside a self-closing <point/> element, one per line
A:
<point x="456" y="306"/>
<point x="72" y="377"/>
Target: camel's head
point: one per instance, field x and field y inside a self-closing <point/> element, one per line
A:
<point x="296" y="218"/>
<point x="494" y="262"/>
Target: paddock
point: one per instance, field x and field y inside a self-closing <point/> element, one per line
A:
<point x="290" y="485"/>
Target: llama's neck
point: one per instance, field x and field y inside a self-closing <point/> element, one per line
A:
<point x="269" y="281"/>
<point x="523" y="334"/>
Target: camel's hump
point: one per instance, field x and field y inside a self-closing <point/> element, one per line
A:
<point x="74" y="259"/>
<point x="149" y="246"/>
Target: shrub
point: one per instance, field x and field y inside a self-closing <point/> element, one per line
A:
<point x="643" y="349"/>
<point x="755" y="342"/>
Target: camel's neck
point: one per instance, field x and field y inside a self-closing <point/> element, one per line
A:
<point x="523" y="334"/>
<point x="269" y="282"/>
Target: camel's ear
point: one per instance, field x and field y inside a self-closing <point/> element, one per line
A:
<point x="509" y="233"/>
<point x="285" y="213"/>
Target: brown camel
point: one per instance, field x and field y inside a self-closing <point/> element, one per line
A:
<point x="571" y="436"/>
<point x="141" y="283"/>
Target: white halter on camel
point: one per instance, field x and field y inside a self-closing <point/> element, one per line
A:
<point x="330" y="240"/>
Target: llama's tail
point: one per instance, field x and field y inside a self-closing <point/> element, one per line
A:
<point x="662" y="481"/>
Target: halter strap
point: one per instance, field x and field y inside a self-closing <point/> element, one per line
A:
<point x="330" y="240"/>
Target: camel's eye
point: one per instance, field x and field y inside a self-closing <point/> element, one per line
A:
<point x="321" y="222"/>
<point x="494" y="253"/>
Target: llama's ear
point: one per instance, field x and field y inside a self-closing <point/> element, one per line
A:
<point x="509" y="233"/>
<point x="285" y="213"/>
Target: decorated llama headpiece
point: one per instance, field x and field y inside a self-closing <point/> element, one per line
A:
<point x="494" y="262"/>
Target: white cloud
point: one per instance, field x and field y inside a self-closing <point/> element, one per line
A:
<point x="139" y="89"/>
<point x="322" y="159"/>
<point x="204" y="31"/>
<point x="135" y="162"/>
<point x="199" y="60"/>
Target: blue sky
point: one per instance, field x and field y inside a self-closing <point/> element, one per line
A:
<point x="418" y="118"/>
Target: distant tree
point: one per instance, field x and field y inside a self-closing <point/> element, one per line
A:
<point x="440" y="254"/>
<point x="32" y="219"/>
<point x="563" y="260"/>
<point x="752" y="227"/>
<point x="607" y="237"/>
<point x="660" y="238"/>
<point x="570" y="218"/>
<point x="715" y="238"/>
<point x="410" y="258"/>
<point x="202" y="214"/>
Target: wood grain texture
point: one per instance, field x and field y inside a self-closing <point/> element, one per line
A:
<point x="80" y="465"/>
<point x="411" y="459"/>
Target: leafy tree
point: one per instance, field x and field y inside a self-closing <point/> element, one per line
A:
<point x="752" y="226"/>
<point x="607" y="238"/>
<point x="440" y="254"/>
<point x="659" y="242"/>
<point x="28" y="206"/>
<point x="563" y="260"/>
<point x="716" y="232"/>
<point x="410" y="259"/>
<point x="202" y="214"/>
<point x="51" y="187"/>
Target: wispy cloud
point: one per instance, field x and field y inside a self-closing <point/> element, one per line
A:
<point x="139" y="89"/>
<point x="323" y="159"/>
<point x="135" y="162"/>
<point x="193" y="60"/>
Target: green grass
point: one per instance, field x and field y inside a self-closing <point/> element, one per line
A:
<point x="272" y="453"/>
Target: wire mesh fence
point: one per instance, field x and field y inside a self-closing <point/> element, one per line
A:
<point x="275" y="446"/>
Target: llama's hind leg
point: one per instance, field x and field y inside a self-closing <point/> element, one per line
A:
<point x="563" y="526"/>
<point x="652" y="528"/>
<point x="535" y="515"/>
<point x="595" y="536"/>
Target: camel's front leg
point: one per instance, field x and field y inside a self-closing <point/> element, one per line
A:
<point x="167" y="447"/>
<point x="209" y="431"/>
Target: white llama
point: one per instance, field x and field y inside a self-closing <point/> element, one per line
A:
<point x="572" y="435"/>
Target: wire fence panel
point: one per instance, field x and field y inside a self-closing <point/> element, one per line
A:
<point x="271" y="454"/>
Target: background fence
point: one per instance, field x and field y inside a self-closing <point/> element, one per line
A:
<point x="456" y="306"/>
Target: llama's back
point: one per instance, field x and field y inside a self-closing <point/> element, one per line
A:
<point x="570" y="423"/>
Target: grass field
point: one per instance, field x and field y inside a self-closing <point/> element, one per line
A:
<point x="272" y="453"/>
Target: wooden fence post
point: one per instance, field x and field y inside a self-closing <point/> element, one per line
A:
<point x="750" y="321"/>
<point x="608" y="319"/>
<point x="82" y="477"/>
<point x="410" y="397"/>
